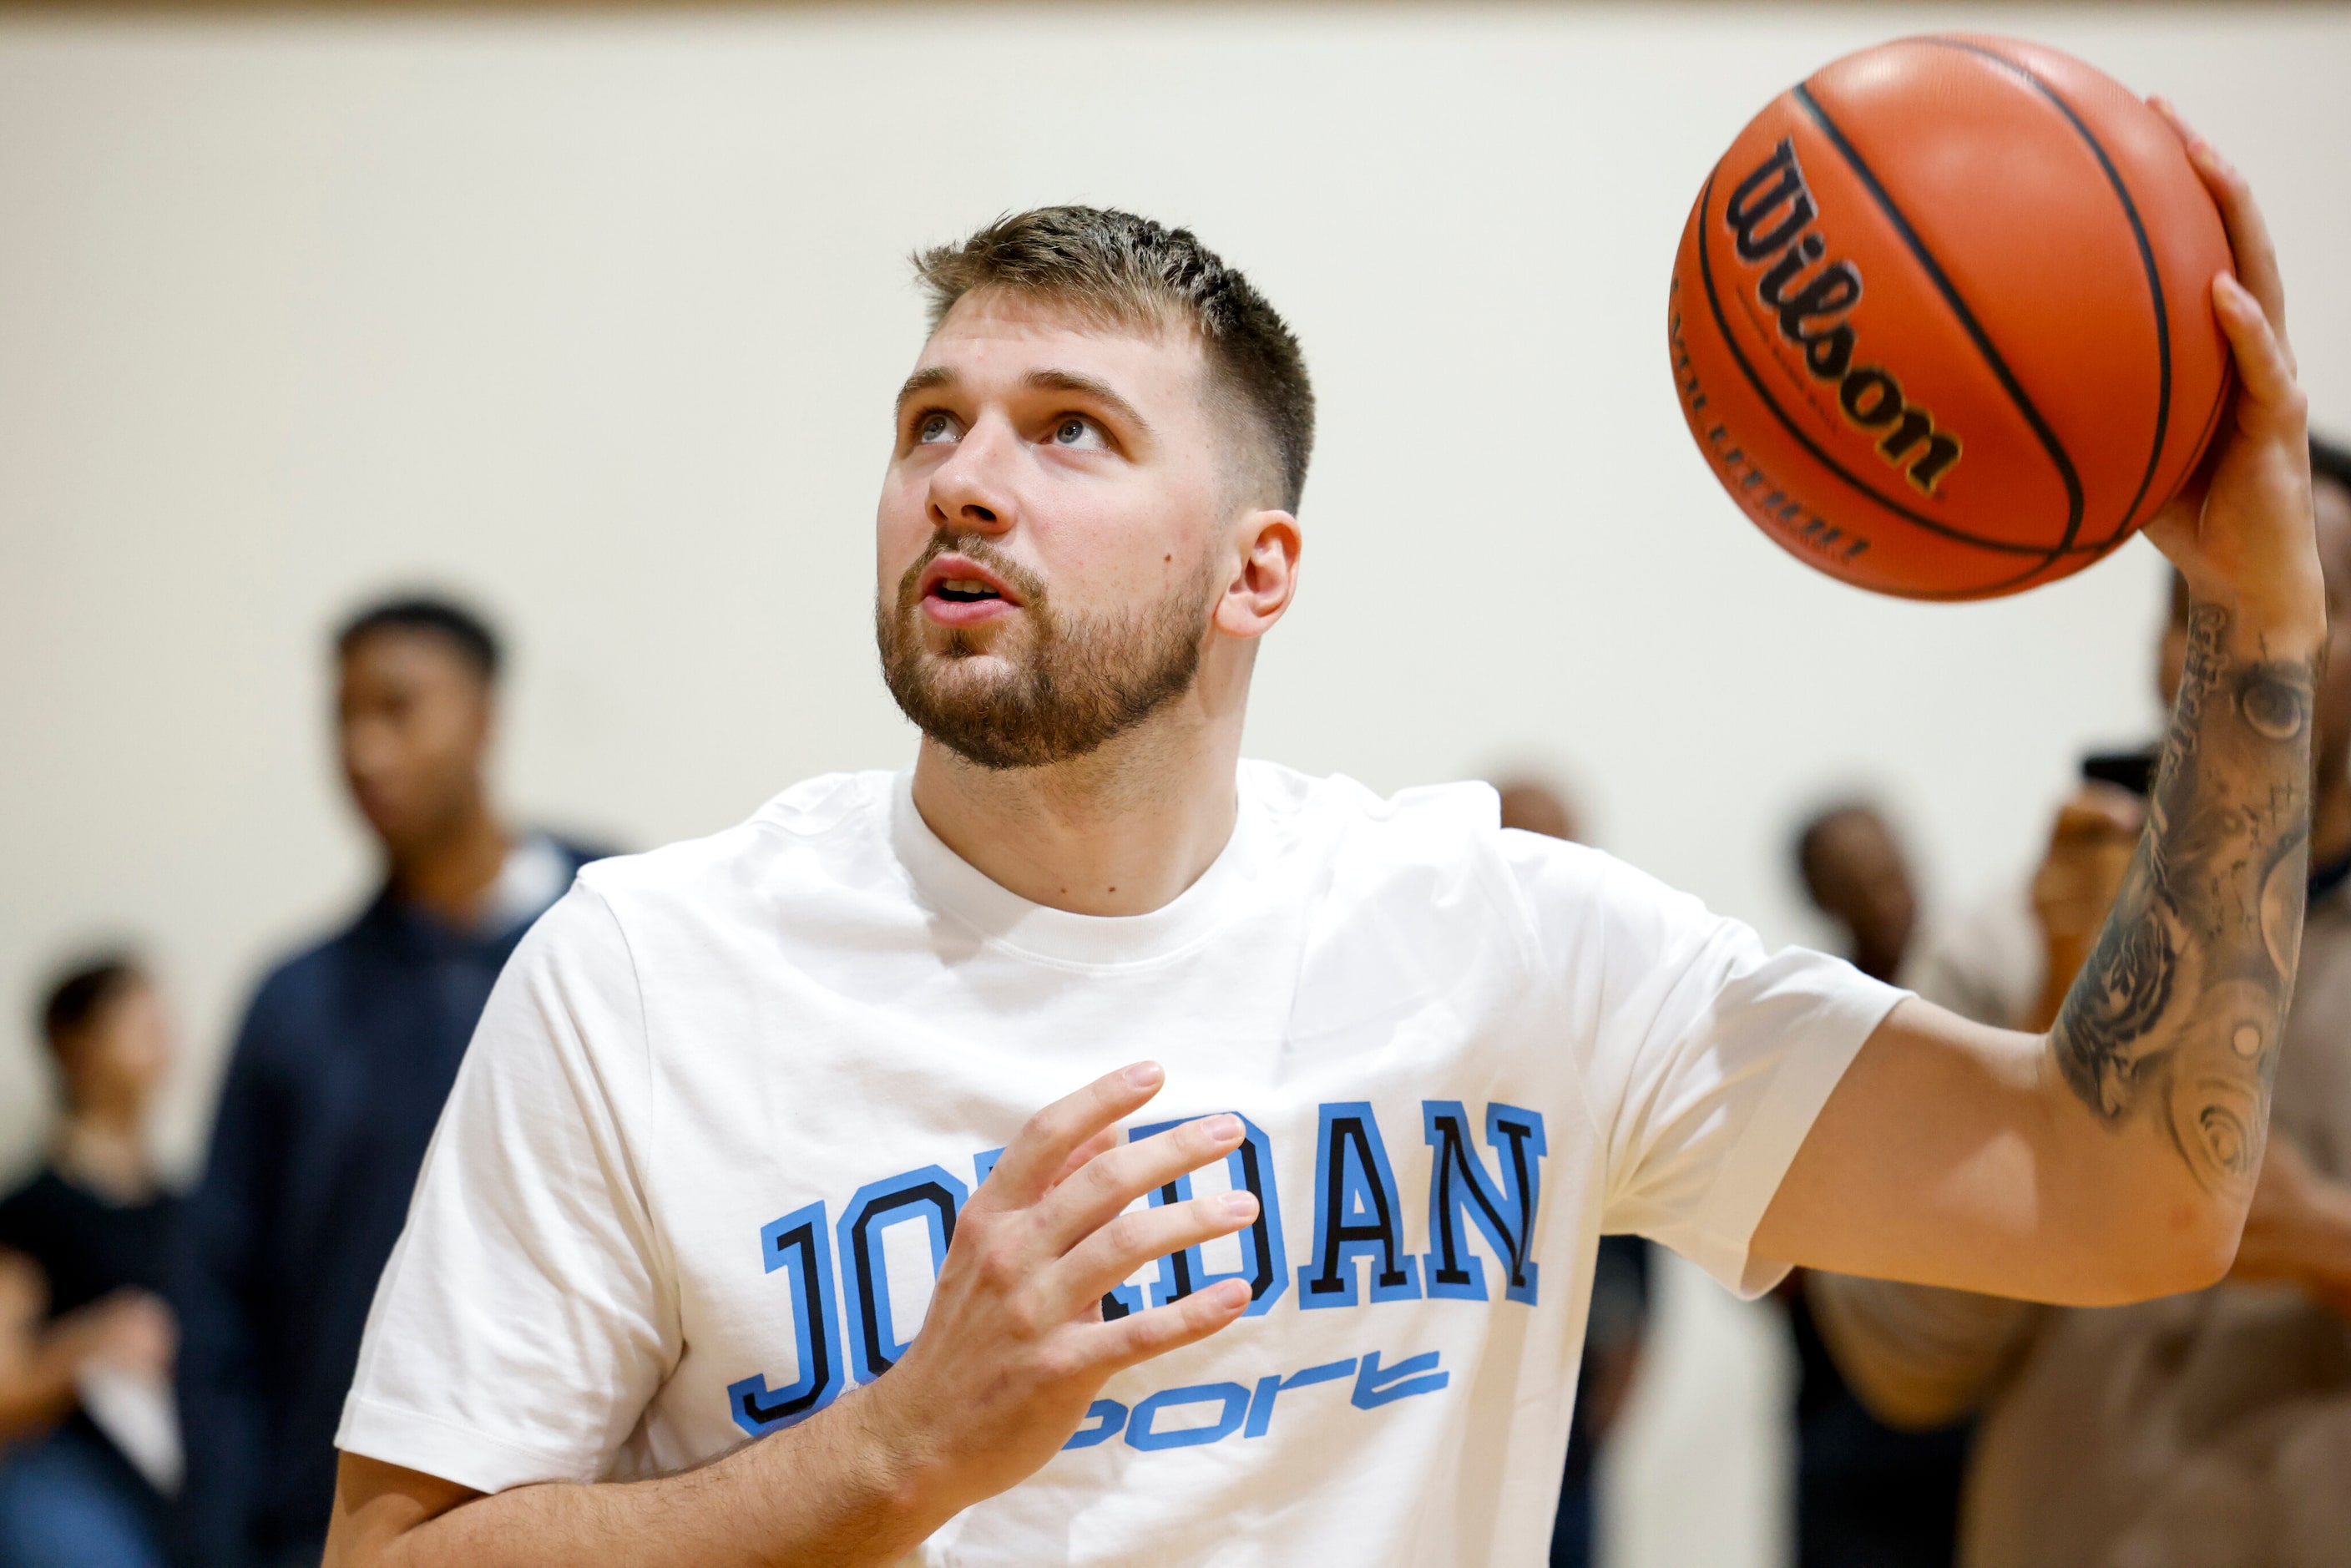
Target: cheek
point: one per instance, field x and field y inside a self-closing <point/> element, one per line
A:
<point x="1115" y="570"/>
<point x="1139" y="551"/>
<point x="901" y="530"/>
<point x="438" y="738"/>
<point x="370" y="743"/>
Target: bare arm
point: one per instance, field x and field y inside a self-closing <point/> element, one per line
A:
<point x="825" y="1492"/>
<point x="39" y="1362"/>
<point x="2112" y="1158"/>
<point x="36" y="1368"/>
<point x="1012" y="1352"/>
<point x="1920" y="1357"/>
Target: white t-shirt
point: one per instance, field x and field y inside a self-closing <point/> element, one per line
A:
<point x="727" y="1098"/>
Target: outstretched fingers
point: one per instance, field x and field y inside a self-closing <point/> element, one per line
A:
<point x="1096" y="1192"/>
<point x="1142" y="1335"/>
<point x="1100" y="1262"/>
<point x="1101" y="1143"/>
<point x="1053" y="1143"/>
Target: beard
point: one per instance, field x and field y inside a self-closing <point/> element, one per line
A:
<point x="1079" y="684"/>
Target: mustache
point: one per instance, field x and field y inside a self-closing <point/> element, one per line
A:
<point x="977" y="547"/>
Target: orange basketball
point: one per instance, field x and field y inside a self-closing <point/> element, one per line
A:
<point x="1942" y="318"/>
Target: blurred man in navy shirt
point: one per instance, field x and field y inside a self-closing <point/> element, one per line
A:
<point x="338" y="1078"/>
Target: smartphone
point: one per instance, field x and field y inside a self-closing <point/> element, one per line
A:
<point x="2131" y="770"/>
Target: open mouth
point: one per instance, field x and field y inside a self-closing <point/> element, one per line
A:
<point x="958" y="591"/>
<point x="965" y="590"/>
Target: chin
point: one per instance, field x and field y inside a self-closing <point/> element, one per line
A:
<point x="964" y="690"/>
<point x="959" y="659"/>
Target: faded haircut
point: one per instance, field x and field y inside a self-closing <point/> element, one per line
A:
<point x="77" y="997"/>
<point x="465" y="632"/>
<point x="1120" y="270"/>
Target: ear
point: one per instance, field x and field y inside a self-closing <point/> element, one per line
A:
<point x="1261" y="591"/>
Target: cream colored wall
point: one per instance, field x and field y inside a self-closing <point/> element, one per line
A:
<point x="596" y="317"/>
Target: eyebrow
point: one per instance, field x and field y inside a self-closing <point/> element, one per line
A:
<point x="1087" y="386"/>
<point x="922" y="381"/>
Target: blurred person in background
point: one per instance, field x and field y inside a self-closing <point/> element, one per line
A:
<point x="1535" y="806"/>
<point x="1855" y="873"/>
<point x="2210" y="1430"/>
<point x="1619" y="1314"/>
<point x="338" y="1077"/>
<point x="82" y="1259"/>
<point x="1867" y="1495"/>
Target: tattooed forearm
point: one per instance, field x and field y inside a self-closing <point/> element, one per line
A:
<point x="2178" y="1012"/>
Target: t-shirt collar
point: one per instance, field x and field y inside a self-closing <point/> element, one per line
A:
<point x="947" y="882"/>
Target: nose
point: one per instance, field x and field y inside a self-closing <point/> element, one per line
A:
<point x="968" y="491"/>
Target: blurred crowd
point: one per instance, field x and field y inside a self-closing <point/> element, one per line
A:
<point x="172" y="1366"/>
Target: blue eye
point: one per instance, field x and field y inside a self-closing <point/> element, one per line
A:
<point x="935" y="427"/>
<point x="1080" y="435"/>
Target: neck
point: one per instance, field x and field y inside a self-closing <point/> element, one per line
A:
<point x="103" y="1148"/>
<point x="449" y="873"/>
<point x="1121" y="831"/>
<point x="2330" y="818"/>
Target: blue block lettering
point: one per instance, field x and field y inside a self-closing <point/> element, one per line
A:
<point x="1503" y="1209"/>
<point x="1107" y="1415"/>
<point x="1265" y="1262"/>
<point x="1261" y="1410"/>
<point x="1120" y="1300"/>
<point x="1357" y="1215"/>
<point x="800" y="1244"/>
<point x="1376" y="1385"/>
<point x="1140" y="1432"/>
<point x="930" y="1196"/>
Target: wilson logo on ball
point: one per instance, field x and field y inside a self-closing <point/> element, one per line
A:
<point x="1770" y="216"/>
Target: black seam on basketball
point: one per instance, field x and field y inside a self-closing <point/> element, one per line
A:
<point x="2145" y="258"/>
<point x="1969" y="595"/>
<point x="1722" y="329"/>
<point x="2024" y="579"/>
<point x="2031" y="576"/>
<point x="1926" y="259"/>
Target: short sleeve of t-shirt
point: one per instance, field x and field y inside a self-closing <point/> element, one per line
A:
<point x="1707" y="1059"/>
<point x="529" y="1260"/>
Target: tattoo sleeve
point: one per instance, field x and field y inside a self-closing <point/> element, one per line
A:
<point x="2178" y="1012"/>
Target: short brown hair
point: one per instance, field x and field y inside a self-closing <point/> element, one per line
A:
<point x="1125" y="270"/>
<point x="77" y="997"/>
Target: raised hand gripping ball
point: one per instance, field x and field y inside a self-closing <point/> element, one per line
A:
<point x="1942" y="322"/>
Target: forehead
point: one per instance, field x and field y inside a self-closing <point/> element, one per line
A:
<point x="127" y="1001"/>
<point x="1857" y="832"/>
<point x="993" y="334"/>
<point x="406" y="654"/>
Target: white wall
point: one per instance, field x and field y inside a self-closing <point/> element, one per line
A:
<point x="596" y="317"/>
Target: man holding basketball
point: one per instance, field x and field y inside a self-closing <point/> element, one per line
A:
<point x="736" y="1103"/>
